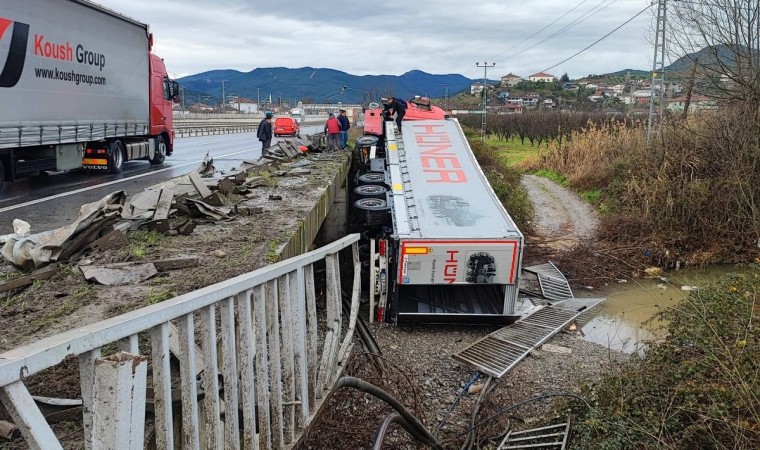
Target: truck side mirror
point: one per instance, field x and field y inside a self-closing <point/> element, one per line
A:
<point x="175" y="91"/>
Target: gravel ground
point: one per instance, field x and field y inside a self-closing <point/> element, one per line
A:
<point x="421" y="373"/>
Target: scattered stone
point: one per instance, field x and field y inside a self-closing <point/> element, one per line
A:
<point x="275" y="197"/>
<point x="556" y="349"/>
<point x="220" y="253"/>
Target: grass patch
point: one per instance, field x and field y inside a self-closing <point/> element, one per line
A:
<point x="159" y="296"/>
<point x="591" y="196"/>
<point x="513" y="152"/>
<point x="273" y="255"/>
<point x="141" y="241"/>
<point x="552" y="175"/>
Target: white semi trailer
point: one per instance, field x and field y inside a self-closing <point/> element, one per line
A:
<point x="442" y="247"/>
<point x="79" y="87"/>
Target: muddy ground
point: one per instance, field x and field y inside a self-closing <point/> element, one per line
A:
<point x="423" y="374"/>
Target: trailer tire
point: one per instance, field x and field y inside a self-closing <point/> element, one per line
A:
<point x="116" y="157"/>
<point x="2" y="176"/>
<point x="160" y="154"/>
<point x="370" y="191"/>
<point x="372" y="212"/>
<point x="371" y="204"/>
<point x="372" y="178"/>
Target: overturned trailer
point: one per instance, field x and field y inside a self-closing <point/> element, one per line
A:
<point x="441" y="247"/>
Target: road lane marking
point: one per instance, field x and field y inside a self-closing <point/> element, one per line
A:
<point x="121" y="180"/>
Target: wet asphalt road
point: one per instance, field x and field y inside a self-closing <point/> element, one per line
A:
<point x="53" y="200"/>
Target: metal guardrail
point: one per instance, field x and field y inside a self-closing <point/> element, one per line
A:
<point x="279" y="356"/>
<point x="196" y="127"/>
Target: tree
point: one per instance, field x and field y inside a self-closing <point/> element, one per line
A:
<point x="564" y="78"/>
<point x="722" y="39"/>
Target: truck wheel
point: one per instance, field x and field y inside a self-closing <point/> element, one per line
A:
<point x="116" y="157"/>
<point x="372" y="212"/>
<point x="371" y="204"/>
<point x="373" y="178"/>
<point x="160" y="155"/>
<point x="370" y="191"/>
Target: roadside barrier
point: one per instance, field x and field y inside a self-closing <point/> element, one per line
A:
<point x="278" y="357"/>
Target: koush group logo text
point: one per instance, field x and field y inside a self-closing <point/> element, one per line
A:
<point x="45" y="48"/>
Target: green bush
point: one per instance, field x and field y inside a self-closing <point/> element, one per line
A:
<point x="699" y="389"/>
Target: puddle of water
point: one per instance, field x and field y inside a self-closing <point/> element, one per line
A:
<point x="620" y="323"/>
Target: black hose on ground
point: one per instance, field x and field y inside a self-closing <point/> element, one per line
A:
<point x="417" y="430"/>
<point x="382" y="430"/>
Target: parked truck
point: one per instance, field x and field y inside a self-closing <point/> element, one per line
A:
<point x="297" y="114"/>
<point x="439" y="245"/>
<point x="79" y="87"/>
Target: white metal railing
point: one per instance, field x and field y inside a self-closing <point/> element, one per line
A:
<point x="278" y="356"/>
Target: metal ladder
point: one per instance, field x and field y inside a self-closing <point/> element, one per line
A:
<point x="553" y="284"/>
<point x="548" y="437"/>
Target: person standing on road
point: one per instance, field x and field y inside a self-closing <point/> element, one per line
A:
<point x="332" y="130"/>
<point x="345" y="124"/>
<point x="264" y="132"/>
<point x="391" y="105"/>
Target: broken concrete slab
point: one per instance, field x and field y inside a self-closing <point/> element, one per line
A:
<point x="199" y="185"/>
<point x="163" y="205"/>
<point x="119" y="274"/>
<point x="114" y="239"/>
<point x="186" y="227"/>
<point x="214" y="199"/>
<point x="226" y="186"/>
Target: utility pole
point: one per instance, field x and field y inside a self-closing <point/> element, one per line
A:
<point x="258" y="98"/>
<point x="658" y="72"/>
<point x="485" y="67"/>
<point x="224" y="99"/>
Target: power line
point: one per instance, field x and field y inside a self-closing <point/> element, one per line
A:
<point x="599" y="40"/>
<point x="583" y="17"/>
<point x="539" y="31"/>
<point x="590" y="13"/>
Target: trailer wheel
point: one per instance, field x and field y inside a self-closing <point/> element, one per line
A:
<point x="160" y="155"/>
<point x="116" y="157"/>
<point x="372" y="212"/>
<point x="370" y="191"/>
<point x="2" y="175"/>
<point x="373" y="178"/>
<point x="371" y="204"/>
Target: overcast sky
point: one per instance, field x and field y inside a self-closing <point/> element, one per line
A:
<point x="393" y="37"/>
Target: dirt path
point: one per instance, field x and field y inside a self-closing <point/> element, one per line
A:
<point x="560" y="217"/>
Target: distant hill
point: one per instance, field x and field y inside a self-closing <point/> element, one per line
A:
<point x="707" y="56"/>
<point x="318" y="85"/>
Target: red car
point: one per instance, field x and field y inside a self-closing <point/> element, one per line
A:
<point x="286" y="126"/>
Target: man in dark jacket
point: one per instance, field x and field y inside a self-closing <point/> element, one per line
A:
<point x="345" y="124"/>
<point x="264" y="132"/>
<point x="393" y="104"/>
